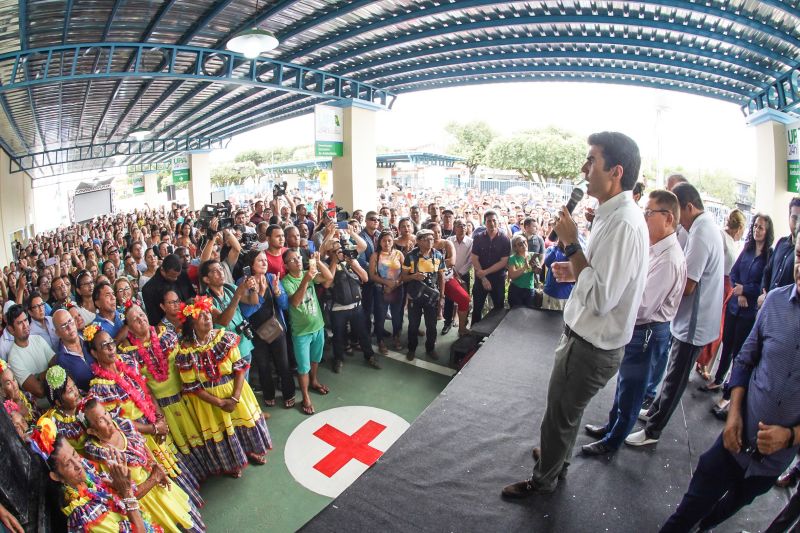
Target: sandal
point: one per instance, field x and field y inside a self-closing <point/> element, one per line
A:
<point x="308" y="409"/>
<point x="270" y="403"/>
<point x="288" y="404"/>
<point x="257" y="459"/>
<point x="701" y="370"/>
<point x="322" y="389"/>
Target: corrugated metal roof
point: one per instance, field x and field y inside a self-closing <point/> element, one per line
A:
<point x="731" y="50"/>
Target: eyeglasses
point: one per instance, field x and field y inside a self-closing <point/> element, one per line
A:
<point x="373" y="219"/>
<point x="172" y="302"/>
<point x="294" y="260"/>
<point x="37" y="306"/>
<point x="66" y="325"/>
<point x="124" y="289"/>
<point x="108" y="344"/>
<point x="113" y="251"/>
<point x="649" y="212"/>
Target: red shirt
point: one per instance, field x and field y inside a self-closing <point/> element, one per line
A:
<point x="275" y="263"/>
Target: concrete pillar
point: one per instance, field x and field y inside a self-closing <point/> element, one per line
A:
<point x="354" y="174"/>
<point x="199" y="179"/>
<point x="151" y="189"/>
<point x="772" y="195"/>
<point x="16" y="208"/>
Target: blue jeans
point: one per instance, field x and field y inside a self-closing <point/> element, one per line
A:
<point x="632" y="380"/>
<point x="397" y="312"/>
<point x="658" y="365"/>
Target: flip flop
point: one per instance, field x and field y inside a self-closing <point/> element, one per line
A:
<point x="288" y="404"/>
<point x="322" y="389"/>
<point x="308" y="409"/>
<point x="269" y="403"/>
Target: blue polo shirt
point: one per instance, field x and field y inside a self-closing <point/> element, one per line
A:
<point x="78" y="366"/>
<point x="112" y="328"/>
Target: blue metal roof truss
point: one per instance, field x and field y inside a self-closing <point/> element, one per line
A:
<point x="79" y="78"/>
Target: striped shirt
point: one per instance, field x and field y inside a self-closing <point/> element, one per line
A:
<point x="768" y="366"/>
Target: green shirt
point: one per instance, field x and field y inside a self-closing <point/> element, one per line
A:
<point x="307" y="317"/>
<point x="525" y="281"/>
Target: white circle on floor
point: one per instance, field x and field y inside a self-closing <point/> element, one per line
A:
<point x="329" y="450"/>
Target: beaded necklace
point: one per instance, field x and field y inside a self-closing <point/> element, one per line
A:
<point x="153" y="359"/>
<point x="138" y="396"/>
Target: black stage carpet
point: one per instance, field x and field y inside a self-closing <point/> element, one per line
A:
<point x="445" y="473"/>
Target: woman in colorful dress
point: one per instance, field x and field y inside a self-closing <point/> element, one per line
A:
<point x="90" y="503"/>
<point x="119" y="387"/>
<point x="212" y="372"/>
<point x="11" y="392"/>
<point x="112" y="440"/>
<point x="155" y="351"/>
<point x="65" y="397"/>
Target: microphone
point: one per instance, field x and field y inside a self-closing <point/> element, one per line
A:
<point x="574" y="198"/>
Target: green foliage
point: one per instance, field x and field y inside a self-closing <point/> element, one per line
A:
<point x="717" y="183"/>
<point x="272" y="155"/>
<point x="233" y="173"/>
<point x="471" y="142"/>
<point x="539" y="155"/>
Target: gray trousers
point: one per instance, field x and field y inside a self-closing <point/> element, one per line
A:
<point x="579" y="371"/>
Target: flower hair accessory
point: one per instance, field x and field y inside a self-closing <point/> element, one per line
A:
<point x="43" y="438"/>
<point x="56" y="377"/>
<point x="3" y="365"/>
<point x="90" y="331"/>
<point x="201" y="303"/>
<point x="10" y="406"/>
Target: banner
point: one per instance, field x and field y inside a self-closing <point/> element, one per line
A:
<point x="793" y="156"/>
<point x="180" y="169"/>
<point x="328" y="135"/>
<point x="138" y="183"/>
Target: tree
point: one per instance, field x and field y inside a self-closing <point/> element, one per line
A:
<point x="471" y="142"/>
<point x="539" y="155"/>
<point x="233" y="173"/>
<point x="716" y="183"/>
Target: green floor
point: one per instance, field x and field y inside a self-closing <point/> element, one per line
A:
<point x="266" y="498"/>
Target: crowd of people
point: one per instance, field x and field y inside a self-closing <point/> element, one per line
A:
<point x="128" y="341"/>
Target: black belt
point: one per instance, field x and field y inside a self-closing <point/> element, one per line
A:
<point x="572" y="335"/>
<point x="648" y="325"/>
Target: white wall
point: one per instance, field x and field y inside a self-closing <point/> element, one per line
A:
<point x="16" y="207"/>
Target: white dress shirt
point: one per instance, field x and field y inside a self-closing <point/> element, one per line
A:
<point x="699" y="313"/>
<point x="46" y="331"/>
<point x="463" y="252"/>
<point x="604" y="302"/>
<point x="666" y="279"/>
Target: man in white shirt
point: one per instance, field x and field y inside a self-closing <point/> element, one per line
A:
<point x="600" y="314"/>
<point x="697" y="321"/>
<point x="666" y="277"/>
<point x="30" y="356"/>
<point x="463" y="246"/>
<point x="41" y="325"/>
<point x="681" y="233"/>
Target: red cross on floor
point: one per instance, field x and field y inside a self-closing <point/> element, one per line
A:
<point x="348" y="447"/>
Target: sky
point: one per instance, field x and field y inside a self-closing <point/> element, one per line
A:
<point x="697" y="133"/>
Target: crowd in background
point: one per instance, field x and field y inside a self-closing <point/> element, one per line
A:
<point x="128" y="341"/>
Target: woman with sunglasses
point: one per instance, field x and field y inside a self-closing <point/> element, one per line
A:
<point x="119" y="386"/>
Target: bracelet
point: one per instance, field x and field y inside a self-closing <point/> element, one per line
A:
<point x="790" y="442"/>
<point x="235" y="399"/>
<point x="131" y="504"/>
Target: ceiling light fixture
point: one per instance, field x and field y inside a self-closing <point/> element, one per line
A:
<point x="253" y="42"/>
<point x="140" y="134"/>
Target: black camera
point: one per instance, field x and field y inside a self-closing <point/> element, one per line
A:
<point x="279" y="189"/>
<point x="245" y="330"/>
<point x="221" y="211"/>
<point x="348" y="249"/>
<point x="249" y="241"/>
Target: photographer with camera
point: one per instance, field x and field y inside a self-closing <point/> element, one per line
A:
<point x="227" y="297"/>
<point x="348" y="275"/>
<point x="215" y="248"/>
<point x="423" y="274"/>
<point x="263" y="309"/>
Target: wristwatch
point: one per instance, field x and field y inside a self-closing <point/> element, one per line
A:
<point x="570" y="249"/>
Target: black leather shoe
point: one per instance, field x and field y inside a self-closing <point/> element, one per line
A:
<point x="788" y="480"/>
<point x="446" y="328"/>
<point x="522" y="489"/>
<point x="597" y="432"/>
<point x="337" y="366"/>
<point x="373" y="362"/>
<point x="411" y="355"/>
<point x="596" y="448"/>
<point x="536" y="453"/>
<point x="720" y="412"/>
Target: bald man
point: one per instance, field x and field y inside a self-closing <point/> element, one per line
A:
<point x="73" y="352"/>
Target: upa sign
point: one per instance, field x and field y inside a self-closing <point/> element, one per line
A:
<point x="180" y="169"/>
<point x="793" y="156"/>
<point x="138" y="183"/>
<point x="328" y="133"/>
